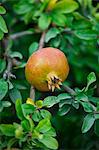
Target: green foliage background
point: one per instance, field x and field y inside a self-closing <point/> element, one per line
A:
<point x="73" y="27"/>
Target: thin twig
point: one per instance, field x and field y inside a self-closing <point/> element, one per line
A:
<point x="96" y="112"/>
<point x="12" y="61"/>
<point x="41" y="45"/>
<point x="69" y="90"/>
<point x="32" y="92"/>
<point x="20" y="34"/>
<point x="73" y="93"/>
<point x="7" y="73"/>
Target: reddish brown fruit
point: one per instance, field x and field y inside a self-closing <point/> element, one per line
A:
<point x="46" y="69"/>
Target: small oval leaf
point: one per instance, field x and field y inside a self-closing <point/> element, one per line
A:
<point x="3" y="26"/>
<point x="88" y="122"/>
<point x="3" y="88"/>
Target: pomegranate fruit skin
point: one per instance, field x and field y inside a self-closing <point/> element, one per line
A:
<point x="44" y="62"/>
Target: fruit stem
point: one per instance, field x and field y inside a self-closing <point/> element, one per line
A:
<point x="41" y="44"/>
<point x="32" y="92"/>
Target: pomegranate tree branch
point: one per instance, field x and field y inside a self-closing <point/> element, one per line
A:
<point x="69" y="90"/>
<point x="32" y="92"/>
<point x="41" y="44"/>
<point x="20" y="34"/>
<point x="10" y="61"/>
<point x="7" y="74"/>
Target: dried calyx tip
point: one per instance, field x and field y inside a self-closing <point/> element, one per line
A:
<point x="53" y="82"/>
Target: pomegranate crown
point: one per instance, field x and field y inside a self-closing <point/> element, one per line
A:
<point x="53" y="81"/>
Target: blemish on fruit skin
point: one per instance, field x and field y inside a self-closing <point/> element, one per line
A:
<point x="47" y="62"/>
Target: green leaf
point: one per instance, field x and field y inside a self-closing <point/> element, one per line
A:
<point x="55" y="42"/>
<point x="81" y="24"/>
<point x="86" y="34"/>
<point x="3" y="26"/>
<point x="39" y="104"/>
<point x="1" y="106"/>
<point x="23" y="7"/>
<point x="36" y="116"/>
<point x="98" y="104"/>
<point x="44" y="21"/>
<point x="88" y="122"/>
<point x="7" y="129"/>
<point x="25" y="125"/>
<point x="45" y="113"/>
<point x="2" y="65"/>
<point x="94" y="99"/>
<point x="14" y="94"/>
<point x="63" y="96"/>
<point x="28" y="109"/>
<point x="19" y="133"/>
<point x="96" y="116"/>
<point x="81" y="97"/>
<point x="66" y="6"/>
<point x="3" y="88"/>
<point x="10" y="85"/>
<point x="18" y="106"/>
<point x="6" y="103"/>
<point x="49" y="142"/>
<point x="30" y="122"/>
<point x="20" y="86"/>
<point x="96" y="127"/>
<point x="58" y="19"/>
<point x="50" y="101"/>
<point x="78" y="16"/>
<point x="11" y="142"/>
<point x="2" y="10"/>
<point x="75" y="104"/>
<point x="32" y="48"/>
<point x="43" y="126"/>
<point x="22" y="65"/>
<point x="1" y="34"/>
<point x="64" y="110"/>
<point x="51" y="132"/>
<point x="90" y="79"/>
<point x="88" y="107"/>
<point x="16" y="54"/>
<point x="52" y="33"/>
<point x="65" y="101"/>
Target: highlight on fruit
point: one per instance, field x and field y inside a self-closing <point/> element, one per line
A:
<point x="46" y="69"/>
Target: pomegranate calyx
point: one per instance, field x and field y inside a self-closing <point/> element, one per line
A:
<point x="53" y="81"/>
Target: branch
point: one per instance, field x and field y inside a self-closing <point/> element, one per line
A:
<point x="32" y="92"/>
<point x="69" y="90"/>
<point x="7" y="74"/>
<point x="41" y="44"/>
<point x="12" y="61"/>
<point x="96" y="112"/>
<point x="19" y="34"/>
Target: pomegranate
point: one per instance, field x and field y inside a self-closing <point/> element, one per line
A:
<point x="46" y="69"/>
